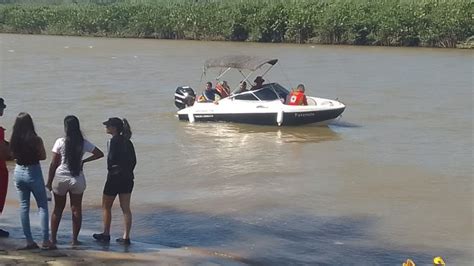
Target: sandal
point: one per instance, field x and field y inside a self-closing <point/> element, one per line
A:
<point x="50" y="246"/>
<point x="123" y="241"/>
<point x="4" y="233"/>
<point x="101" y="237"/>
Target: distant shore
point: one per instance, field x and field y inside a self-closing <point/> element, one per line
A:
<point x="426" y="23"/>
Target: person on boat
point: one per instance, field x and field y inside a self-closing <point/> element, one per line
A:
<point x="223" y="89"/>
<point x="226" y="87"/>
<point x="209" y="94"/>
<point x="297" y="96"/>
<point x="258" y="83"/>
<point x="288" y="96"/>
<point x="121" y="162"/>
<point x="66" y="175"/>
<point x="28" y="150"/>
<point x="4" y="155"/>
<point x="242" y="87"/>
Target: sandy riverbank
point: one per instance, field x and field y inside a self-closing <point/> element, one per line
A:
<point x="92" y="252"/>
<point x="86" y="255"/>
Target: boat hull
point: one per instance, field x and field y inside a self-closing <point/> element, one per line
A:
<point x="321" y="117"/>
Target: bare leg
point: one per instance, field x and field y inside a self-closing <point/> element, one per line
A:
<point x="107" y="203"/>
<point x="59" y="203"/>
<point x="127" y="213"/>
<point x="76" y="210"/>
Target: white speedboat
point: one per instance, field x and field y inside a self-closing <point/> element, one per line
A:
<point x="264" y="106"/>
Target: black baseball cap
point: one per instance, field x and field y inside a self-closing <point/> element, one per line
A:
<point x="2" y="104"/>
<point x="114" y="122"/>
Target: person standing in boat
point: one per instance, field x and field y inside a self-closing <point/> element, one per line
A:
<point x="4" y="155"/>
<point x="28" y="150"/>
<point x="297" y="97"/>
<point x="66" y="175"/>
<point x="121" y="162"/>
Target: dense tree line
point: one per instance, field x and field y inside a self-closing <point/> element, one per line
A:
<point x="434" y="23"/>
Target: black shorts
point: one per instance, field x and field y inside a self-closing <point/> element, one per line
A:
<point x="113" y="187"/>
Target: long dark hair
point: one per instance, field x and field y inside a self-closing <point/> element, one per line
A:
<point x="24" y="140"/>
<point x="126" y="130"/>
<point x="74" y="144"/>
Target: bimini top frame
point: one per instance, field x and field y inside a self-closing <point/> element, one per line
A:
<point x="241" y="63"/>
<point x="251" y="63"/>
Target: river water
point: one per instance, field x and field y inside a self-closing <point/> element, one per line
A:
<point x="391" y="180"/>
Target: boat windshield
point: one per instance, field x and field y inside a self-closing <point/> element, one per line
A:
<point x="246" y="97"/>
<point x="271" y="92"/>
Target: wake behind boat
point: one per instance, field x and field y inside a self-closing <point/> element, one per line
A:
<point x="263" y="106"/>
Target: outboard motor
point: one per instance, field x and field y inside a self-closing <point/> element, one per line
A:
<point x="184" y="96"/>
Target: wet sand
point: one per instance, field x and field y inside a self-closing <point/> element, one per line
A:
<point x="86" y="255"/>
<point x="162" y="256"/>
<point x="92" y="252"/>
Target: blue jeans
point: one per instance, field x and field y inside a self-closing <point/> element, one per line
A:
<point x="29" y="179"/>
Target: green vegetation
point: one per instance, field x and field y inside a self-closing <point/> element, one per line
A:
<point x="435" y="23"/>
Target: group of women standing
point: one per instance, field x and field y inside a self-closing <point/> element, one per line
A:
<point x="66" y="176"/>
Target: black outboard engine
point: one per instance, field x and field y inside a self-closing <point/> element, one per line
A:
<point x="184" y="96"/>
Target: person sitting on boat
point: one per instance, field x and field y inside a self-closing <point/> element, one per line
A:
<point x="297" y="96"/>
<point x="242" y="87"/>
<point x="226" y="87"/>
<point x="288" y="96"/>
<point x="258" y="83"/>
<point x="209" y="94"/>
<point x="223" y="89"/>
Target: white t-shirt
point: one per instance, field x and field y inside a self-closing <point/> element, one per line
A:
<point x="60" y="148"/>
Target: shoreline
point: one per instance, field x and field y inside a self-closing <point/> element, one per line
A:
<point x="86" y="255"/>
<point x="92" y="252"/>
<point x="459" y="46"/>
<point x="466" y="45"/>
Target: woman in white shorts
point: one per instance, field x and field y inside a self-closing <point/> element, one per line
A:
<point x="65" y="175"/>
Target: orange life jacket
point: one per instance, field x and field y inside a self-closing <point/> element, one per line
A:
<point x="297" y="98"/>
<point x="222" y="91"/>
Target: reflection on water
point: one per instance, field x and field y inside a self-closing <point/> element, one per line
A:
<point x="243" y="135"/>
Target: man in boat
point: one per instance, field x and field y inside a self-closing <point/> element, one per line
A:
<point x="209" y="94"/>
<point x="258" y="83"/>
<point x="242" y="87"/>
<point x="297" y="96"/>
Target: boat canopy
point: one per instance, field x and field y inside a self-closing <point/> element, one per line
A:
<point x="239" y="62"/>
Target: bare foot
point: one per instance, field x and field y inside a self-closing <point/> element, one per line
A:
<point x="29" y="246"/>
<point x="76" y="243"/>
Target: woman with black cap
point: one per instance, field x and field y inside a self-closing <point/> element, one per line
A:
<point x="121" y="162"/>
